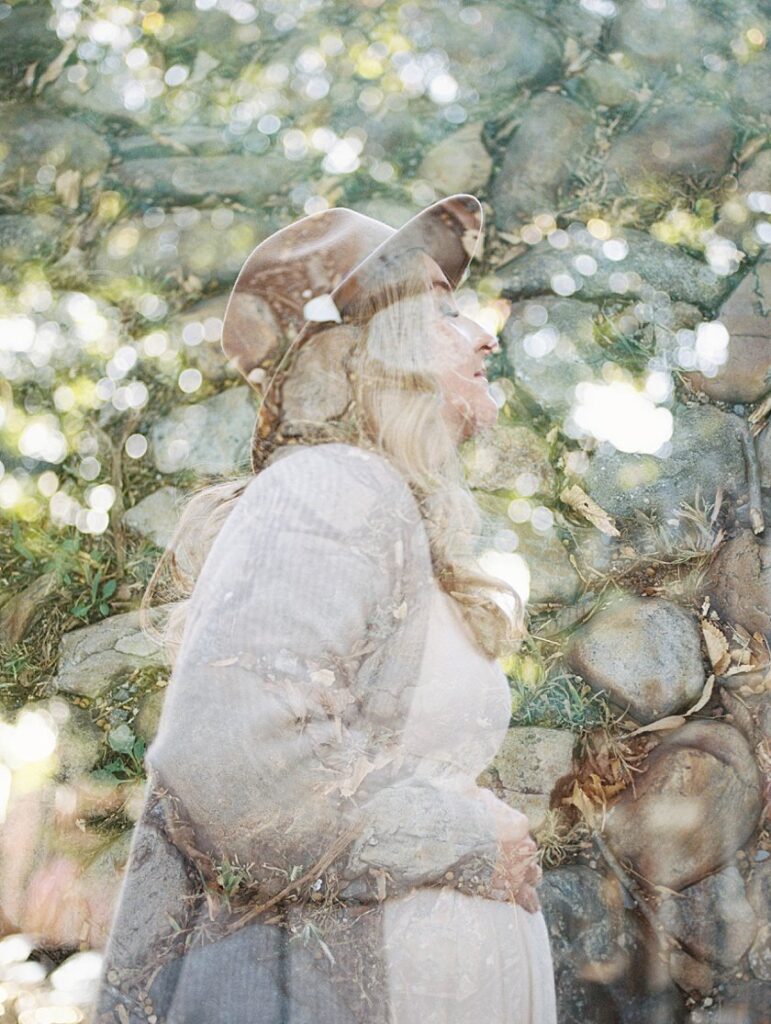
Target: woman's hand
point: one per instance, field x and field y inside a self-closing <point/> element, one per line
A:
<point x="517" y="872"/>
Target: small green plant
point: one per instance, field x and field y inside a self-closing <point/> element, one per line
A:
<point x="96" y="597"/>
<point x="232" y="876"/>
<point x="129" y="764"/>
<point x="562" y="701"/>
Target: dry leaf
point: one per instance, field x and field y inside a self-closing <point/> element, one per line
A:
<point x="717" y="645"/>
<point x="580" y="800"/>
<point x="661" y="724"/>
<point x="224" y="662"/>
<point x="56" y="66"/>
<point x="737" y="669"/>
<point x="325" y="676"/>
<point x="577" y="498"/>
<point x="296" y="699"/>
<point x="472" y="243"/>
<point x="674" y="721"/>
<point x="361" y="770"/>
<point x="67" y="188"/>
<point x="706" y="693"/>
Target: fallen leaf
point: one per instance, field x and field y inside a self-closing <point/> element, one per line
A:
<point x="325" y="676"/>
<point x="472" y="243"/>
<point x="577" y="499"/>
<point x="717" y="645"/>
<point x="660" y="725"/>
<point x="19" y="613"/>
<point x="706" y="693"/>
<point x="67" y="188"/>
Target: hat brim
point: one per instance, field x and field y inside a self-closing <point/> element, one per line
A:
<point x="449" y="231"/>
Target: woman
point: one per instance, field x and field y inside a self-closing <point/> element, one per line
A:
<point x="313" y="845"/>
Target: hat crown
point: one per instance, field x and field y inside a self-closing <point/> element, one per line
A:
<point x="329" y="253"/>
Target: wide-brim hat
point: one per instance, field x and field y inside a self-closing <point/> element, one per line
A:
<point x="303" y="278"/>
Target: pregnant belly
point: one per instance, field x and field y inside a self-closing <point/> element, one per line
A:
<point x="459" y="959"/>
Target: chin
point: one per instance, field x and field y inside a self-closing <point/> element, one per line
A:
<point x="481" y="422"/>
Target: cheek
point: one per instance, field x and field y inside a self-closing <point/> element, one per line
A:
<point x="450" y="354"/>
<point x="470" y="406"/>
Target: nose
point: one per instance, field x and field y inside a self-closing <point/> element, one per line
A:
<point x="488" y="342"/>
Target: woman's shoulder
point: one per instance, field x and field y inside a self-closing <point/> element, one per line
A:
<point x="334" y="469"/>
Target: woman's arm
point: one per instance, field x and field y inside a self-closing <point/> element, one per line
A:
<point x="262" y="738"/>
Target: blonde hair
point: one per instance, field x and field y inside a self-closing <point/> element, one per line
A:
<point x="386" y="355"/>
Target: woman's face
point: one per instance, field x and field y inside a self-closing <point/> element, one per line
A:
<point x="461" y="349"/>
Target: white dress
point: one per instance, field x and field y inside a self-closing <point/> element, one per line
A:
<point x="454" y="958"/>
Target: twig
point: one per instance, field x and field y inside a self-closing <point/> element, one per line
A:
<point x="753" y="475"/>
<point x="634" y="892"/>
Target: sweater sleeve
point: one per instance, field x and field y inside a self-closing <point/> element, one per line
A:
<point x="263" y="739"/>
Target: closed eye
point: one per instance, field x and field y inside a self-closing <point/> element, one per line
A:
<point x="451" y="312"/>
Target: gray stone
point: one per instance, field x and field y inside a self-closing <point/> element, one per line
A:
<point x="760" y="953"/>
<point x="660" y="670"/>
<point x="226" y="40"/>
<point x="553" y="578"/>
<point x="180" y="179"/>
<point x="759" y="895"/>
<point x="691" y="974"/>
<point x="98" y="95"/>
<point x="577" y="22"/>
<point x="694" y="140"/>
<point x="152" y="900"/>
<point x="93" y="658"/>
<point x="210" y="437"/>
<point x="500" y="457"/>
<point x="553" y="135"/>
<point x="459" y="163"/>
<point x="712" y="918"/>
<point x="748" y="87"/>
<point x="746" y="315"/>
<point x="550" y="343"/>
<point x="149" y="715"/>
<point x="704" y="452"/>
<point x="25" y="237"/>
<point x="594" y="549"/>
<point x="749" y="712"/>
<point x="155" y="516"/>
<point x="197" y="331"/>
<point x="742" y="208"/>
<point x="27" y="39"/>
<point x="503" y="50"/>
<point x="609" y="85"/>
<point x="696" y="803"/>
<point x="647" y="264"/>
<point x="585" y="918"/>
<point x="738" y="581"/>
<point x="661" y="36"/>
<point x="79" y="742"/>
<point x="737" y="1002"/>
<point x="530" y="763"/>
<point x="101" y="882"/>
<point x="34" y="138"/>
<point x="210" y="245"/>
<point x="391" y="211"/>
<point x="175" y="140"/>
